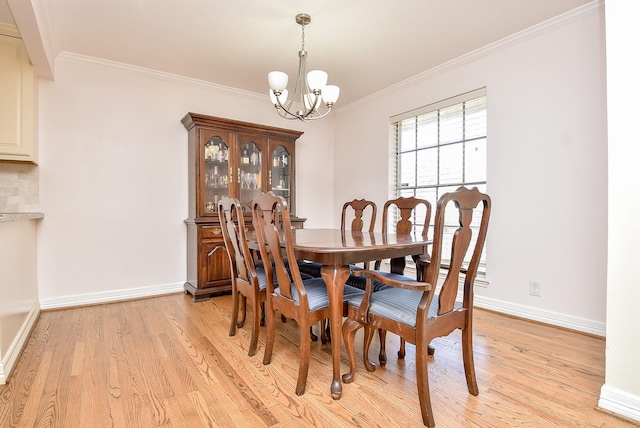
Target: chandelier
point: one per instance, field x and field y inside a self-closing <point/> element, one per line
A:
<point x="310" y="92"/>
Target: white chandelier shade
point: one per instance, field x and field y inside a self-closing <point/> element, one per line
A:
<point x="310" y="90"/>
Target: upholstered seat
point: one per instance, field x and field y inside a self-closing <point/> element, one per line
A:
<point x="317" y="296"/>
<point x="398" y="304"/>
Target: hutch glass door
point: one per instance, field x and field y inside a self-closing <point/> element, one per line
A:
<point x="281" y="173"/>
<point x="216" y="176"/>
<point x="250" y="171"/>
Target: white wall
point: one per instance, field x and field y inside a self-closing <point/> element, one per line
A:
<point x="113" y="176"/>
<point x="547" y="163"/>
<point x="621" y="391"/>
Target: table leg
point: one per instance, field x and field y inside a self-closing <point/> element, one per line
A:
<point x="335" y="277"/>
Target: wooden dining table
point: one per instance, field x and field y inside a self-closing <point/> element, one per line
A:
<point x="336" y="249"/>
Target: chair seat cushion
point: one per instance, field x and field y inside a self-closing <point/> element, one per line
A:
<point x="310" y="268"/>
<point x="313" y="268"/>
<point x="360" y="282"/>
<point x="317" y="293"/>
<point x="398" y="304"/>
<point x="262" y="277"/>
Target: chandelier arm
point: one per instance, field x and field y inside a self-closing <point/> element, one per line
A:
<point x="283" y="111"/>
<point x="319" y="116"/>
<point x="280" y="108"/>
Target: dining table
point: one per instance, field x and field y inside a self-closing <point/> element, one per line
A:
<point x="337" y="250"/>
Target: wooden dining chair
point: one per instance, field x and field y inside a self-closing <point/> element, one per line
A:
<point x="410" y="211"/>
<point x="305" y="301"/>
<point x="360" y="212"/>
<point x="248" y="281"/>
<point x="357" y="212"/>
<point x="415" y="310"/>
<point x="405" y="212"/>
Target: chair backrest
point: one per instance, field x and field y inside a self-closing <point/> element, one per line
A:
<point x="474" y="209"/>
<point x="358" y="211"/>
<point x="273" y="229"/>
<point x="230" y="213"/>
<point x="408" y="208"/>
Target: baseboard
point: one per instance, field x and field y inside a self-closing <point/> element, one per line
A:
<point x="110" y="296"/>
<point x="15" y="349"/>
<point x="619" y="402"/>
<point x="548" y="317"/>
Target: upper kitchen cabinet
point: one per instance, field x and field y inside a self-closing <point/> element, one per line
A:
<point x="17" y="102"/>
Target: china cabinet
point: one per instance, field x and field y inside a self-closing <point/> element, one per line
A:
<point x="230" y="158"/>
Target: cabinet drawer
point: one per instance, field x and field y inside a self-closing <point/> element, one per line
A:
<point x="211" y="232"/>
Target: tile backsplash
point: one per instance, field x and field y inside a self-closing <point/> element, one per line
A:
<point x="19" y="190"/>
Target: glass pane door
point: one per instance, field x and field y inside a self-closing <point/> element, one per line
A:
<point x="216" y="173"/>
<point x="281" y="173"/>
<point x="250" y="171"/>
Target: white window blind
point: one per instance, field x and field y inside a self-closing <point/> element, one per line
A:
<point x="438" y="148"/>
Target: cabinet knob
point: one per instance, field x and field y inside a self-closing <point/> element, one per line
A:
<point x="216" y="231"/>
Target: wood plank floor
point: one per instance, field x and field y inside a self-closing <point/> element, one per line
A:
<point x="169" y="362"/>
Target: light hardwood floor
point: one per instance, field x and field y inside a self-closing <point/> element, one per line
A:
<point x="169" y="362"/>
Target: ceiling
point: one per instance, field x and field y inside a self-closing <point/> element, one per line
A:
<point x="364" y="45"/>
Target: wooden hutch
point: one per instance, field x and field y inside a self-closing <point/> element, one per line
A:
<point x="239" y="159"/>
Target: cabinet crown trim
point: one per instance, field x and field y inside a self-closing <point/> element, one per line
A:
<point x="191" y="120"/>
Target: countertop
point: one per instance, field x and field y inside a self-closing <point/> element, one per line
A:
<point x="5" y="217"/>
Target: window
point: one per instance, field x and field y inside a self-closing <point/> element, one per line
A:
<point x="439" y="148"/>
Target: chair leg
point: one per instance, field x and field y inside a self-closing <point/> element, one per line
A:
<point x="271" y="333"/>
<point x="349" y="329"/>
<point x="422" y="378"/>
<point x="262" y="314"/>
<point x="325" y="332"/>
<point x="243" y="311"/>
<point x="402" y="351"/>
<point x="369" y="331"/>
<point x="312" y="335"/>
<point x="382" y="355"/>
<point x="467" y="358"/>
<point x="234" y="313"/>
<point x="255" y="326"/>
<point x="305" y="350"/>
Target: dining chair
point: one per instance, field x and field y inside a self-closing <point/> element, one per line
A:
<point x="361" y="212"/>
<point x="419" y="312"/>
<point x="305" y="301"/>
<point x="248" y="281"/>
<point x="404" y="211"/>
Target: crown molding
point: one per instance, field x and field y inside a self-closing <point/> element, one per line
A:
<point x="9" y="30"/>
<point x="89" y="60"/>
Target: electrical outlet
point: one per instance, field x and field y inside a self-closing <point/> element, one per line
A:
<point x="534" y="287"/>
